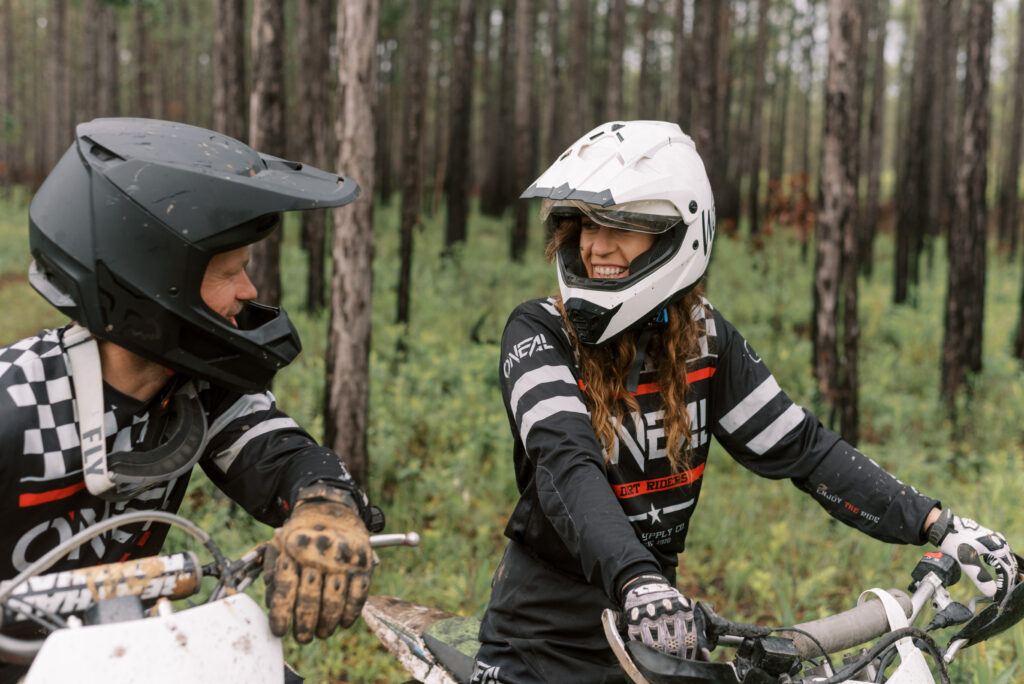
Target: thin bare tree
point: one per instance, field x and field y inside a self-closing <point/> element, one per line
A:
<point x="457" y="187"/>
<point x="756" y="123"/>
<point x="347" y="390"/>
<point x="616" y="46"/>
<point x="7" y="116"/>
<point x="871" y="210"/>
<point x="316" y="137"/>
<point x="1009" y="197"/>
<point x="521" y="120"/>
<point x="267" y="129"/>
<point x="230" y="101"/>
<point x="414" y="69"/>
<point x="835" y="244"/>
<point x="965" y="296"/>
<point x="59" y="135"/>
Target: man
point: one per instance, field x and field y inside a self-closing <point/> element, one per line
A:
<point x="141" y="236"/>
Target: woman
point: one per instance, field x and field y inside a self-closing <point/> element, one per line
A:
<point x="613" y="389"/>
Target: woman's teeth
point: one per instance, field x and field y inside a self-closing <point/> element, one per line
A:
<point x="609" y="271"/>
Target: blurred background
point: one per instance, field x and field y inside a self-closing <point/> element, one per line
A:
<point x="865" y="157"/>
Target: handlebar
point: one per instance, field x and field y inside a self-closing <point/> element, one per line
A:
<point x="174" y="576"/>
<point x="847" y="629"/>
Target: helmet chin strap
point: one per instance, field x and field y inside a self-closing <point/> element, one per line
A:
<point x="123" y="475"/>
<point x="633" y="379"/>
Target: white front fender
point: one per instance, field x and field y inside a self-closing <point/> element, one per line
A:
<point x="225" y="641"/>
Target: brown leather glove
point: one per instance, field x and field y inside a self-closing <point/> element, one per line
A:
<point x="317" y="566"/>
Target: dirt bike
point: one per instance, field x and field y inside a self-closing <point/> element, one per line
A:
<point x="438" y="648"/>
<point x="116" y="623"/>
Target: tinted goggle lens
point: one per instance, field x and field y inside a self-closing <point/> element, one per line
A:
<point x="610" y="218"/>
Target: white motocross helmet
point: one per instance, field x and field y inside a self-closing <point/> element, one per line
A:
<point x="632" y="175"/>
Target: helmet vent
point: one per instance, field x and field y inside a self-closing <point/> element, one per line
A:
<point x="103" y="154"/>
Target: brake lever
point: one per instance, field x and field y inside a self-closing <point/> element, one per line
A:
<point x="992" y="620"/>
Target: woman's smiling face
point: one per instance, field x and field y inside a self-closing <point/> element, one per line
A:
<point x="607" y="252"/>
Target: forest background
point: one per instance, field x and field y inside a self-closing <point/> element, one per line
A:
<point x="865" y="157"/>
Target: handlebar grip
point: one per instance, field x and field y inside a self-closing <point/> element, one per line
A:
<point x="847" y="629"/>
<point x="72" y="591"/>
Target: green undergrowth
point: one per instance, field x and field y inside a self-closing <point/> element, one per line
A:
<point x="759" y="550"/>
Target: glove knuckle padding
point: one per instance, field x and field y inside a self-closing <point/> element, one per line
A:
<point x="327" y="548"/>
<point x="974" y="546"/>
<point x="657" y="614"/>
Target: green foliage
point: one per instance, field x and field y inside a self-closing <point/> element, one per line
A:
<point x="760" y="550"/>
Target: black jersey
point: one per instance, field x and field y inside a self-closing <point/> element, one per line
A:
<point x="606" y="522"/>
<point x="253" y="452"/>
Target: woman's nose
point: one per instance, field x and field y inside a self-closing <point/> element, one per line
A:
<point x="604" y="241"/>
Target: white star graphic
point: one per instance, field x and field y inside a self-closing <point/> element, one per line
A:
<point x="655" y="514"/>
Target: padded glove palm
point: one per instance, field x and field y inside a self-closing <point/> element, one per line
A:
<point x="657" y="614"/>
<point x="970" y="544"/>
<point x="317" y="567"/>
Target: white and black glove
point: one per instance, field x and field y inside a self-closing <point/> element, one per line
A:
<point x="971" y="545"/>
<point x="657" y="614"/>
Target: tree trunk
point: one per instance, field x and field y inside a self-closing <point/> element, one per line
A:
<point x="616" y="46"/>
<point x="871" y="210"/>
<point x="88" y="76"/>
<point x="108" y="101"/>
<point x="913" y="198"/>
<point x="837" y="207"/>
<point x="267" y="129"/>
<point x="1009" y="199"/>
<point x="965" y="297"/>
<point x="682" y="55"/>
<point x="779" y="117"/>
<point x="8" y="121"/>
<point x="647" y="81"/>
<point x="457" y="176"/>
<point x="494" y="198"/>
<point x="704" y="126"/>
<point x="437" y="160"/>
<point x="230" y="110"/>
<point x="142" y="105"/>
<point x="414" y="83"/>
<point x="347" y="391"/>
<point x="521" y="130"/>
<point x="315" y="132"/>
<point x="59" y="119"/>
<point x="575" y="102"/>
<point x="385" y="109"/>
<point x="756" y="123"/>
<point x="553" y="114"/>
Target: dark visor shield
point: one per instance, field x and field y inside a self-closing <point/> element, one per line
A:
<point x="610" y="217"/>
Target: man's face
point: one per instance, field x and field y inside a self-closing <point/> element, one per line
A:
<point x="226" y="286"/>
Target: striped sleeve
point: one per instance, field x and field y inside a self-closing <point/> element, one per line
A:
<point x="538" y="382"/>
<point x="753" y="418"/>
<point x="559" y="462"/>
<point x="260" y="457"/>
<point x="769" y="434"/>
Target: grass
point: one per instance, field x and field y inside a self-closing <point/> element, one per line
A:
<point x="440" y="450"/>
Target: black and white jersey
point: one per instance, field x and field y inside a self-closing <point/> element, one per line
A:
<point x="253" y="452"/>
<point x="610" y="521"/>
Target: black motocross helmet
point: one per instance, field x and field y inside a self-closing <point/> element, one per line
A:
<point x="124" y="226"/>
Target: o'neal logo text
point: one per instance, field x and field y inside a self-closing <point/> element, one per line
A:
<point x="522" y="350"/>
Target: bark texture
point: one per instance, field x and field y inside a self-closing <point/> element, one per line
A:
<point x="965" y="296"/>
<point x="347" y="390"/>
<point x="266" y="129"/>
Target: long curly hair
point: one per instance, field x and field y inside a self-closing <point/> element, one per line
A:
<point x="604" y="369"/>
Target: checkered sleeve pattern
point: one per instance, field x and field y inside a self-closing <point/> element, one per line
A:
<point x="36" y="382"/>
